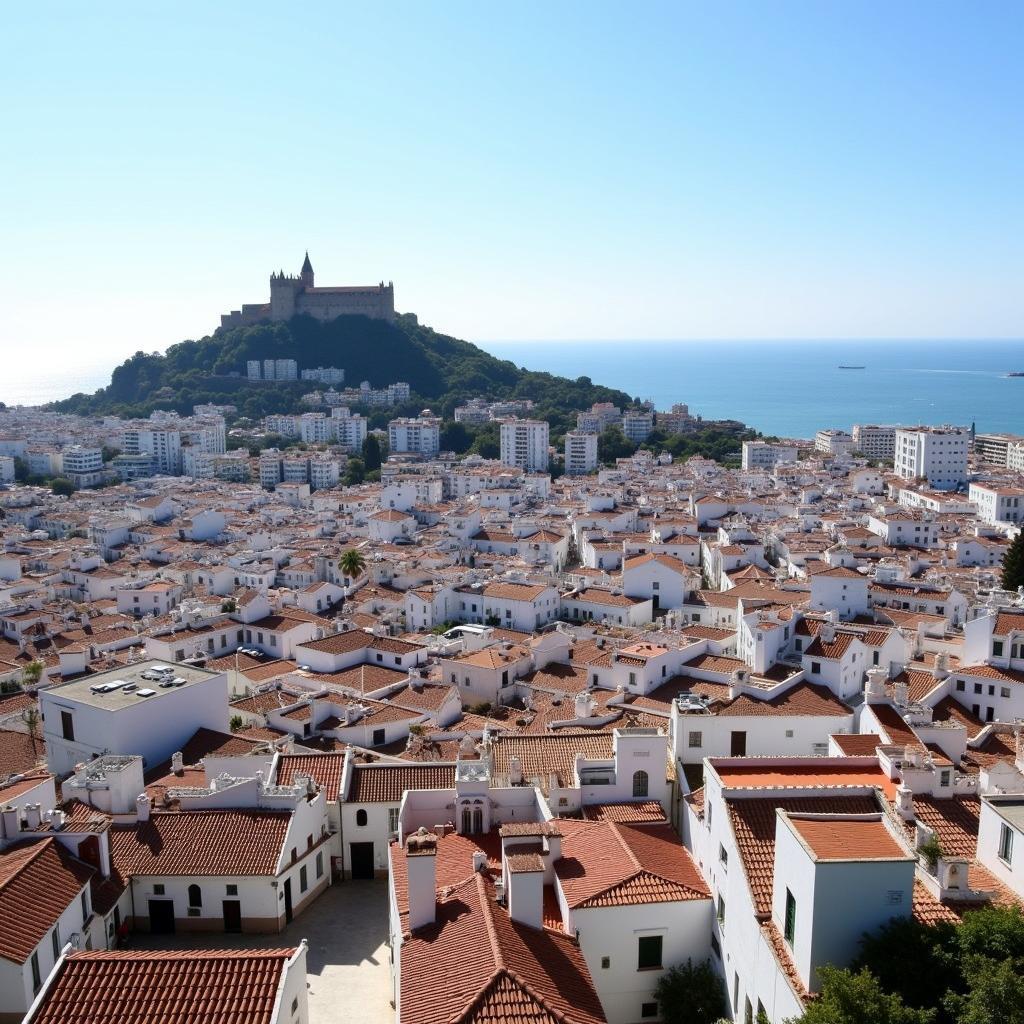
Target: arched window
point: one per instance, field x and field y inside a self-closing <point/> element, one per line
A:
<point x="195" y="896"/>
<point x="478" y="820"/>
<point x="640" y="783"/>
<point x="360" y="817"/>
<point x="467" y="821"/>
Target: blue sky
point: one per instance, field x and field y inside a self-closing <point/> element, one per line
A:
<point x="532" y="170"/>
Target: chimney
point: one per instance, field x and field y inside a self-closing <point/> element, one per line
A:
<point x="941" y="667"/>
<point x="901" y="694"/>
<point x="905" y="803"/>
<point x="11" y="824"/>
<point x="177" y="763"/>
<point x="142" y="807"/>
<point x="57" y="821"/>
<point x="33" y="817"/>
<point x="827" y="633"/>
<point x="515" y="771"/>
<point x="524" y="888"/>
<point x="875" y="691"/>
<point x="421" y="868"/>
<point x="479" y="860"/>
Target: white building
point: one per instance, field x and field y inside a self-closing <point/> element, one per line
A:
<point x="163" y="445"/>
<point x="252" y="369"/>
<point x="997" y="503"/>
<point x="874" y="441"/>
<point x="833" y="442"/>
<point x="580" y="452"/>
<point x="6" y="469"/>
<point x="421" y="435"/>
<point x="938" y="454"/>
<point x="146" y="708"/>
<point x="765" y="454"/>
<point x="315" y="428"/>
<point x="349" y="431"/>
<point x="325" y="375"/>
<point x="637" y="424"/>
<point x="524" y="443"/>
<point x="83" y="466"/>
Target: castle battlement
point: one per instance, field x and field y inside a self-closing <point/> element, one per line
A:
<point x="291" y="296"/>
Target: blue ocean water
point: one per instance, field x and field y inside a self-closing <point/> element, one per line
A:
<point x="792" y="388"/>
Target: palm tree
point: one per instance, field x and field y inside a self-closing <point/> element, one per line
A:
<point x="352" y="563"/>
<point x="31" y="719"/>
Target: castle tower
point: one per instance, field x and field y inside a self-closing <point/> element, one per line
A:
<point x="306" y="275"/>
<point x="282" y="296"/>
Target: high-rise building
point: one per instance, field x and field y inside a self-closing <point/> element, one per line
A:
<point x="524" y="443"/>
<point x="937" y="455"/>
<point x="580" y="452"/>
<point x="874" y="441"/>
<point x="421" y="434"/>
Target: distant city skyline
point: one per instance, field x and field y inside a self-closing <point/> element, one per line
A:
<point x="668" y="172"/>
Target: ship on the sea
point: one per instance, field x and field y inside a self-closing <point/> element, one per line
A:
<point x="1016" y="373"/>
<point x="842" y="366"/>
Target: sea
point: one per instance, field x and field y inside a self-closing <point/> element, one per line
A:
<point x="794" y="388"/>
<point x="786" y="388"/>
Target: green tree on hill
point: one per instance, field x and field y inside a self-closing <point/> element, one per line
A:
<point x="1013" y="564"/>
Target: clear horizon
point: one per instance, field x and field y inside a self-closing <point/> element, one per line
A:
<point x="674" y="173"/>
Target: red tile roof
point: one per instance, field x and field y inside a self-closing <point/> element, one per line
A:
<point x="753" y="823"/>
<point x="954" y="820"/>
<point x="610" y="864"/>
<point x="324" y="769"/>
<point x="633" y="813"/>
<point x="801" y="699"/>
<point x="38" y="881"/>
<point x="477" y="966"/>
<point x="235" y="842"/>
<point x="164" y="987"/>
<point x="848" y="839"/>
<point x="385" y="783"/>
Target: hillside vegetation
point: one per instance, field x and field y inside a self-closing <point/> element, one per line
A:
<point x="441" y="371"/>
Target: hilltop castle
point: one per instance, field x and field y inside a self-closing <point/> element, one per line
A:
<point x="290" y="296"/>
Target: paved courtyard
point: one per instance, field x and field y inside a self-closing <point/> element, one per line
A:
<point x="347" y="962"/>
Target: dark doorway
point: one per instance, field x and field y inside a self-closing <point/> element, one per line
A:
<point x="655" y="603"/>
<point x="232" y="916"/>
<point x="288" y="900"/>
<point x="161" y="917"/>
<point x="362" y="859"/>
<point x="738" y="744"/>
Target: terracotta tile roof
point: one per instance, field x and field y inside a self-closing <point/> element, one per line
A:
<point x="645" y="811"/>
<point x="19" y="752"/>
<point x="559" y="677"/>
<point x="802" y="699"/>
<point x="476" y="965"/>
<point x="919" y="681"/>
<point x="232" y="842"/>
<point x="324" y="769"/>
<point x="1007" y="675"/>
<point x="357" y="639"/>
<point x="894" y="729"/>
<point x="164" y="987"/>
<point x="848" y="839"/>
<point x="929" y="911"/>
<point x="38" y="881"/>
<point x="609" y="864"/>
<point x="857" y="744"/>
<point x="950" y="710"/>
<point x="385" y="783"/>
<point x="996" y="747"/>
<point x="541" y="755"/>
<point x="753" y="823"/>
<point x="954" y="820"/>
<point x="1007" y="622"/>
<point x="835" y="650"/>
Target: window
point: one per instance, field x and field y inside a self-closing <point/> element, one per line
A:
<point x="799" y="644"/>
<point x="960" y="685"/>
<point x="874" y="657"/>
<point x="606" y="962"/>
<point x="67" y="725"/>
<point x="648" y="953"/>
<point x="392" y="819"/>
<point x="158" y="889"/>
<point x="789" y="734"/>
<point x="997" y="648"/>
<point x="695" y="739"/>
<point x="232" y="890"/>
<point x="790" y="923"/>
<point x="320" y="864"/>
<point x="632" y="679"/>
<point x="55" y="939"/>
<point x="378" y="737"/>
<point x="721" y="910"/>
<point x="723" y="856"/>
<point x="37" y="980"/>
<point x="1004" y="691"/>
<point x="655" y="586"/>
<point x="1005" y="843"/>
<point x="85" y="905"/>
<point x="815" y="668"/>
<point x="195" y="896"/>
<point x="648" y="1009"/>
<point x="640" y="783"/>
<point x="303" y="879"/>
<point x="360" y="817"/>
